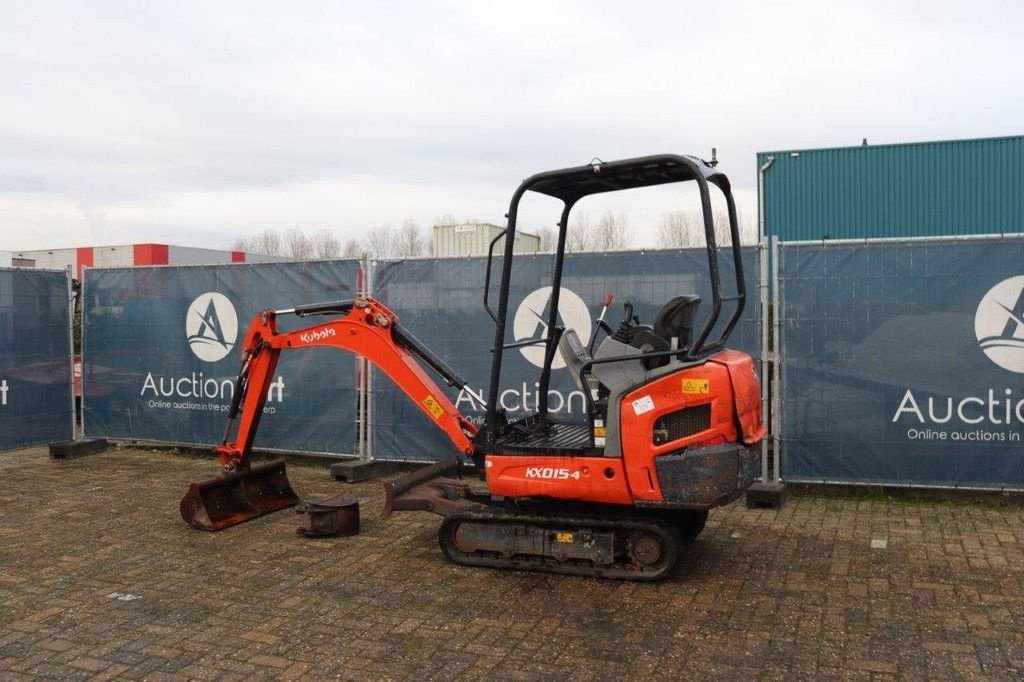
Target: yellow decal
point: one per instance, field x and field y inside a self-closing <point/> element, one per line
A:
<point x="600" y="432"/>
<point x="433" y="407"/>
<point x="563" y="537"/>
<point x="701" y="386"/>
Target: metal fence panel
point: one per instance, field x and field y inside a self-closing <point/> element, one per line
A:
<point x="441" y="302"/>
<point x="902" y="362"/>
<point x="35" y="358"/>
<point x="161" y="355"/>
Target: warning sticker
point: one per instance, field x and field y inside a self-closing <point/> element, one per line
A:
<point x="433" y="407"/>
<point x="700" y="386"/>
<point x="641" y="405"/>
<point x="563" y="537"/>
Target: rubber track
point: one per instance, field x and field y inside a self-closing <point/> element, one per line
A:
<point x="666" y="530"/>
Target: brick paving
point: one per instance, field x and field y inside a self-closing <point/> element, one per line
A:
<point x="99" y="579"/>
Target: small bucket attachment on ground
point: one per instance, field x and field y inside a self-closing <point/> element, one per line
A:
<point x="330" y="517"/>
<point x="230" y="499"/>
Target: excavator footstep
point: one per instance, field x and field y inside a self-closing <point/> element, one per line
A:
<point x="230" y="499"/>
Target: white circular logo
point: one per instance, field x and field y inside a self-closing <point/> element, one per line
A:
<point x="531" y="321"/>
<point x="211" y="326"/>
<point x="999" y="324"/>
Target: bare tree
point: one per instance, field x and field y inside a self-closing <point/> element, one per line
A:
<point x="612" y="232"/>
<point x="450" y="219"/>
<point x="353" y="248"/>
<point x="293" y="243"/>
<point x="297" y="244"/>
<point x="380" y="241"/>
<point x="267" y="243"/>
<point x="325" y="245"/>
<point x="548" y="239"/>
<point x="679" y="229"/>
<point x="746" y="228"/>
<point x="580" y="236"/>
<point x="409" y="242"/>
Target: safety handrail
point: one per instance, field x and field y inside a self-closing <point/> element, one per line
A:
<point x="701" y="347"/>
<point x="525" y="342"/>
<point x="487" y="274"/>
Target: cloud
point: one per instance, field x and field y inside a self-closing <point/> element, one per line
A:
<point x="198" y="122"/>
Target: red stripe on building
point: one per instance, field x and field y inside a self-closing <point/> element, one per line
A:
<point x="238" y="256"/>
<point x="151" y="254"/>
<point x="84" y="258"/>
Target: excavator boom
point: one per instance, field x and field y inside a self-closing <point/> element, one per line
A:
<point x="363" y="326"/>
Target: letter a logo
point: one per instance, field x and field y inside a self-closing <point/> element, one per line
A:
<point x="999" y="324"/>
<point x="531" y="321"/>
<point x="211" y="325"/>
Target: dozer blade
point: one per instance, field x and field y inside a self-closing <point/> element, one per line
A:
<point x="433" y="488"/>
<point x="230" y="499"/>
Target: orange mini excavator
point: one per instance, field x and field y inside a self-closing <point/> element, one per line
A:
<point x="673" y="416"/>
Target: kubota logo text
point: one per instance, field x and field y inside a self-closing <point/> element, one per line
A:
<point x="531" y="321"/>
<point x="999" y="324"/>
<point x="317" y="335"/>
<point x="212" y="326"/>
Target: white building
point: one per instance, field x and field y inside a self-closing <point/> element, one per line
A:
<point x="473" y="239"/>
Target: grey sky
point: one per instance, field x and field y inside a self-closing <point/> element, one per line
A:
<point x="194" y="123"/>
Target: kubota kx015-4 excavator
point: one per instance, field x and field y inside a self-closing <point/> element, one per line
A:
<point x="673" y="416"/>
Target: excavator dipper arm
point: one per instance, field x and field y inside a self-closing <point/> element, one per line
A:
<point x="365" y="327"/>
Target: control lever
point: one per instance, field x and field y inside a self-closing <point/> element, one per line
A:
<point x="625" y="331"/>
<point x="630" y="318"/>
<point x="600" y="323"/>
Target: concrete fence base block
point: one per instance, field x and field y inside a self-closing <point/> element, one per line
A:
<point x="361" y="470"/>
<point x="765" y="495"/>
<point x="69" y="449"/>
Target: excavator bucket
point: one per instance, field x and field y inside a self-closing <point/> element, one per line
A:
<point x="230" y="499"/>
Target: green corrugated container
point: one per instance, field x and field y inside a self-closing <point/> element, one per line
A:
<point x="894" y="190"/>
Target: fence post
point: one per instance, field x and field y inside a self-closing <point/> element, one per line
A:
<point x="766" y="355"/>
<point x="770" y="492"/>
<point x="360" y="377"/>
<point x="71" y="350"/>
<point x="368" y="371"/>
<point x="82" y="403"/>
<point x="776" y="419"/>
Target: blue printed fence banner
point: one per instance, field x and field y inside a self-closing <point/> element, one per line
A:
<point x="441" y="302"/>
<point x="903" y="362"/>
<point x="161" y="354"/>
<point x="35" y="358"/>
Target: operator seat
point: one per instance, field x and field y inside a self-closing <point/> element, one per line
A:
<point x="673" y="328"/>
<point x="675" y="320"/>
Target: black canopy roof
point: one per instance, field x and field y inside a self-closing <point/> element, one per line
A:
<point x="571" y="184"/>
